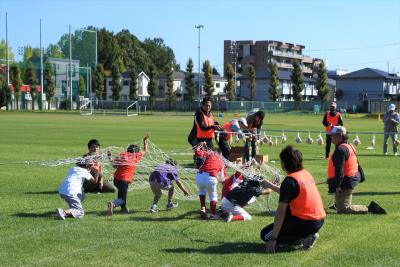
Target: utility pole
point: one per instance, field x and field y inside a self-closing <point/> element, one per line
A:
<point x="7" y="60"/>
<point x="70" y="66"/>
<point x="199" y="27"/>
<point x="41" y="67"/>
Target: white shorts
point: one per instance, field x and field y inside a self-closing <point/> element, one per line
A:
<point x="207" y="184"/>
<point x="229" y="207"/>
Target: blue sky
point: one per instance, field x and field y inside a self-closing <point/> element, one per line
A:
<point x="349" y="35"/>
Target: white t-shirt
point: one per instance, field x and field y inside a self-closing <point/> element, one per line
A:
<point x="73" y="182"/>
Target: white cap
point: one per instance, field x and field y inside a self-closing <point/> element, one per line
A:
<point x="338" y="130"/>
<point x="243" y="120"/>
<point x="391" y="107"/>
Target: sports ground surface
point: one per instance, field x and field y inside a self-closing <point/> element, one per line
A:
<point x="30" y="234"/>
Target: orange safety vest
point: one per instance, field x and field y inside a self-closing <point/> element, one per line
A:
<point x="209" y="121"/>
<point x="334" y="120"/>
<point x="308" y="204"/>
<point x="350" y="165"/>
<point x="227" y="128"/>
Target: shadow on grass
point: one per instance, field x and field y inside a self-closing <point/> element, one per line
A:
<point x="48" y="214"/>
<point x="150" y="217"/>
<point x="268" y="213"/>
<point x="375" y="193"/>
<point x="228" y="248"/>
<point x="42" y="193"/>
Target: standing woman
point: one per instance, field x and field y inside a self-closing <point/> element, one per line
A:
<point x="300" y="214"/>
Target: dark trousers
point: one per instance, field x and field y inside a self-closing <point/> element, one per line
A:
<point x="207" y="140"/>
<point x="247" y="149"/>
<point x="328" y="146"/>
<point x="225" y="147"/>
<point x="122" y="187"/>
<point x="293" y="229"/>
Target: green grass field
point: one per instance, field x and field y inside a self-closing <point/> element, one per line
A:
<point x="30" y="234"/>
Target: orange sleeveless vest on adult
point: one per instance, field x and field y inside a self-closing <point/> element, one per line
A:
<point x="334" y="120"/>
<point x="308" y="204"/>
<point x="227" y="128"/>
<point x="350" y="165"/>
<point x="209" y="121"/>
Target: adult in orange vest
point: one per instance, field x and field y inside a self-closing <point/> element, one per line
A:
<point x="300" y="213"/>
<point x="204" y="126"/>
<point x="343" y="175"/>
<point x="331" y="118"/>
<point x="230" y="129"/>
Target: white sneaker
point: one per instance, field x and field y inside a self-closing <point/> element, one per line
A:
<point x="395" y="154"/>
<point x="385" y="153"/>
<point x="229" y="218"/>
<point x="310" y="241"/>
<point x="60" y="214"/>
<point x="154" y="209"/>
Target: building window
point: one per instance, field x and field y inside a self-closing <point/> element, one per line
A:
<point x="110" y="83"/>
<point x="126" y="83"/>
<point x="217" y="85"/>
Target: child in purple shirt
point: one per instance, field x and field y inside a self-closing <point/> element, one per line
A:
<point x="162" y="179"/>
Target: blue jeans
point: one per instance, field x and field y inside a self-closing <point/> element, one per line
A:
<point x="247" y="149"/>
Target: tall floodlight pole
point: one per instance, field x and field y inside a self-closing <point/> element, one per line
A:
<point x="41" y="65"/>
<point x="70" y="66"/>
<point x="95" y="65"/>
<point x="199" y="27"/>
<point x="7" y="61"/>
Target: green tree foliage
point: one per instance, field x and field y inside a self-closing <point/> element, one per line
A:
<point x="83" y="46"/>
<point x="297" y="82"/>
<point x="152" y="86"/>
<point x="31" y="53"/>
<point x="123" y="49"/>
<point x="131" y="51"/>
<point x="252" y="82"/>
<point x="159" y="54"/>
<point x="230" y="75"/>
<point x="98" y="81"/>
<point x="274" y="89"/>
<point x="116" y="81"/>
<point x="82" y="85"/>
<point x="322" y="86"/>
<point x="190" y="85"/>
<point x="208" y="79"/>
<point x="30" y="78"/>
<point x="170" y="86"/>
<point x="49" y="83"/>
<point x="3" y="51"/>
<point x="54" y="51"/>
<point x="15" y="80"/>
<point x="133" y="85"/>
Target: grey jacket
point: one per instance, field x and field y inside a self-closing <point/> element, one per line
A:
<point x="391" y="122"/>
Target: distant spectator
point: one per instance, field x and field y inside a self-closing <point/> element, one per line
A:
<point x="331" y="118"/>
<point x="391" y="121"/>
<point x="254" y="122"/>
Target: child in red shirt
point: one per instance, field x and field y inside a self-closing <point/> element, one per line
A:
<point x="125" y="165"/>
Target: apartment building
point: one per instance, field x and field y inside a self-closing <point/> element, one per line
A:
<point x="263" y="54"/>
<point x="61" y="72"/>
